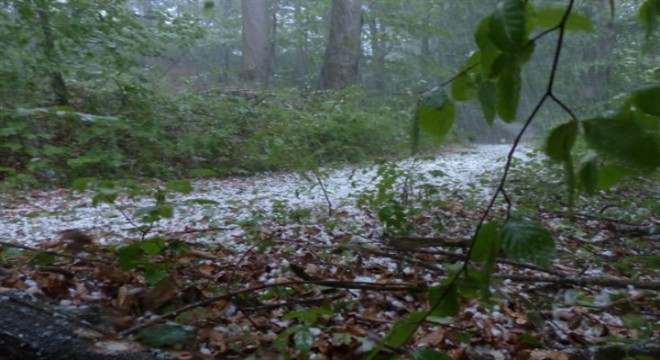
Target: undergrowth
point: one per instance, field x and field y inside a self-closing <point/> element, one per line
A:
<point x="194" y="135"/>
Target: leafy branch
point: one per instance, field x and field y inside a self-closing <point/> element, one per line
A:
<point x="492" y="75"/>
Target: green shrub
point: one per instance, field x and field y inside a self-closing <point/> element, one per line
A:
<point x="170" y="137"/>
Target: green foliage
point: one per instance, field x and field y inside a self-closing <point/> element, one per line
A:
<point x="301" y="334"/>
<point x="435" y="114"/>
<point x="619" y="145"/>
<point x="431" y="355"/>
<point x="561" y="141"/>
<point x="404" y="328"/>
<point x="42" y="258"/>
<point x="622" y="140"/>
<point x="649" y="15"/>
<point x="507" y="26"/>
<point x="484" y="251"/>
<point x="142" y="255"/>
<point x="390" y="196"/>
<point x="647" y="100"/>
<point x="551" y="17"/>
<point x="444" y="300"/>
<point x="281" y="131"/>
<point x="529" y="241"/>
<point x="508" y="93"/>
<point x="159" y="336"/>
<point x="89" y="41"/>
<point x="486" y="244"/>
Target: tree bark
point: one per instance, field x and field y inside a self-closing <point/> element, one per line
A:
<point x="57" y="82"/>
<point x="257" y="54"/>
<point x="35" y="331"/>
<point x="344" y="46"/>
<point x="378" y="50"/>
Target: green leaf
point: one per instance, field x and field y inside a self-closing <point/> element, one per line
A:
<point x="551" y="17"/>
<point x="634" y="321"/>
<point x="624" y="140"/>
<point x="488" y="99"/>
<point x="404" y="329"/>
<point x="435" y="113"/>
<point x="180" y="186"/>
<point x="463" y="88"/>
<point x="428" y="354"/>
<point x="42" y="258"/>
<point x="486" y="242"/>
<point x="487" y="50"/>
<point x="153" y="246"/>
<point x="526" y="53"/>
<point x="529" y="241"/>
<point x="501" y="63"/>
<point x="507" y="26"/>
<point x="588" y="175"/>
<point x="443" y="300"/>
<point x="303" y="340"/>
<point x="150" y="214"/>
<point x="649" y="13"/>
<point x="282" y="340"/>
<point x="154" y="273"/>
<point x="610" y="174"/>
<point x="560" y="142"/>
<point x="81" y="184"/>
<point x="531" y="339"/>
<point x="164" y="336"/>
<point x="486" y="248"/>
<point x="476" y="282"/>
<point x="107" y="192"/>
<point x="508" y="93"/>
<point x="104" y="198"/>
<point x="129" y="257"/>
<point x="308" y="316"/>
<point x="648" y="100"/>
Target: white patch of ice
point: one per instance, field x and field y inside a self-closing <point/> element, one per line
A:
<point x="263" y="196"/>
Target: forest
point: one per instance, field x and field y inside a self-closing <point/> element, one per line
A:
<point x="338" y="179"/>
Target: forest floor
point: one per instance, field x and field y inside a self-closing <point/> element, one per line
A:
<point x="320" y="265"/>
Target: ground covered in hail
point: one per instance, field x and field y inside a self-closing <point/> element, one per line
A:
<point x="322" y="264"/>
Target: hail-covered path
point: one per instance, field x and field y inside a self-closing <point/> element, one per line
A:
<point x="35" y="217"/>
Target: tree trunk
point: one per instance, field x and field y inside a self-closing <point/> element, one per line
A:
<point x="257" y="53"/>
<point x="343" y="49"/>
<point x="31" y="330"/>
<point x="378" y="50"/>
<point x="302" y="58"/>
<point x="57" y="82"/>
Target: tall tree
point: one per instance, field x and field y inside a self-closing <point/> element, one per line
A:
<point x="56" y="78"/>
<point x="343" y="49"/>
<point x="257" y="54"/>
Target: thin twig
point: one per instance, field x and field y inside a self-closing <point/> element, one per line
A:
<point x="294" y="303"/>
<point x="584" y="281"/>
<point x="325" y="192"/>
<point x="463" y="72"/>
